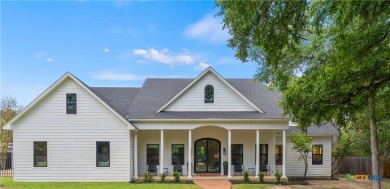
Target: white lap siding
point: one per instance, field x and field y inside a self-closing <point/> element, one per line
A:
<point x="71" y="140"/>
<point x="295" y="167"/>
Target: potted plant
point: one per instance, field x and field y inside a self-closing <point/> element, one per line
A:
<point x="225" y="167"/>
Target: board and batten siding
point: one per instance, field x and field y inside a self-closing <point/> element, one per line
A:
<point x="225" y="99"/>
<point x="295" y="167"/>
<point x="71" y="140"/>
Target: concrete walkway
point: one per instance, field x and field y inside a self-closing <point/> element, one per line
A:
<point x="213" y="184"/>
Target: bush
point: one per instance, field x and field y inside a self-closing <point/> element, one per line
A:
<point x="246" y="176"/>
<point x="162" y="177"/>
<point x="176" y="176"/>
<point x="278" y="175"/>
<point x="148" y="177"/>
<point x="261" y="176"/>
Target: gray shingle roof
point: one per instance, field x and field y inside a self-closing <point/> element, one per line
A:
<point x="325" y="129"/>
<point x="156" y="92"/>
<point x="118" y="98"/>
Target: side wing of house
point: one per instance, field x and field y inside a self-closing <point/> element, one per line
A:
<point x="296" y="167"/>
<point x="73" y="141"/>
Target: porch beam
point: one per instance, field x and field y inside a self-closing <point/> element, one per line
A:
<point x="189" y="175"/>
<point x="135" y="154"/>
<point x="257" y="153"/>
<point x="161" y="151"/>
<point x="229" y="153"/>
<point x="284" y="155"/>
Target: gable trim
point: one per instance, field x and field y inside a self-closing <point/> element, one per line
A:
<point x="209" y="69"/>
<point x="51" y="89"/>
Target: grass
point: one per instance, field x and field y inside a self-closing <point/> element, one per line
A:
<point x="250" y="186"/>
<point x="8" y="183"/>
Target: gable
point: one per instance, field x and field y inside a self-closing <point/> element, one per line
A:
<point x="225" y="98"/>
<point x="52" y="104"/>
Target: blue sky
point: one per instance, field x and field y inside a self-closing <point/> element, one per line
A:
<point x="111" y="43"/>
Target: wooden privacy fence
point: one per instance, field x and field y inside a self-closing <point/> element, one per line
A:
<point x="362" y="166"/>
<point x="6" y="167"/>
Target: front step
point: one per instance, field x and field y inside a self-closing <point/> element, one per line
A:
<point x="208" y="174"/>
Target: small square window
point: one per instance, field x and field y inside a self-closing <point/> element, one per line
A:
<point x="71" y="103"/>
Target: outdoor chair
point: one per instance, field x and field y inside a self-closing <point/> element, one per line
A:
<point x="178" y="168"/>
<point x="152" y="169"/>
<point x="264" y="168"/>
<point x="238" y="168"/>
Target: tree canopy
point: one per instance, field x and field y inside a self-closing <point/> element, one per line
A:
<point x="329" y="59"/>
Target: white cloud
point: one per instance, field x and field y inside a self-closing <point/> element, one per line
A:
<point x="109" y="75"/>
<point x="164" y="56"/>
<point x="202" y="66"/>
<point x="49" y="60"/>
<point x="106" y="50"/>
<point x="208" y="28"/>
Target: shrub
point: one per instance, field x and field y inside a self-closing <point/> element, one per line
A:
<point x="278" y="175"/>
<point x="162" y="177"/>
<point x="261" y="176"/>
<point x="148" y="177"/>
<point x="246" y="176"/>
<point x="176" y="176"/>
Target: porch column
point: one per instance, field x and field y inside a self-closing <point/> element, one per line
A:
<point x="284" y="154"/>
<point x="189" y="153"/>
<point x="161" y="151"/>
<point x="135" y="154"/>
<point x="257" y="153"/>
<point x="229" y="153"/>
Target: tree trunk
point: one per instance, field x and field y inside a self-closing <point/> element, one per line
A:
<point x="374" y="144"/>
<point x="306" y="166"/>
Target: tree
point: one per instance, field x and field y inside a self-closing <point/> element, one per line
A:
<point x="302" y="144"/>
<point x="8" y="109"/>
<point x="329" y="59"/>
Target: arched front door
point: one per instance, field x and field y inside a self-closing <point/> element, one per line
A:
<point x="207" y="155"/>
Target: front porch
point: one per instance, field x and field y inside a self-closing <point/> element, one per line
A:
<point x="205" y="148"/>
<point x="270" y="178"/>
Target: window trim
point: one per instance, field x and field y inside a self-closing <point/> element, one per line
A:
<point x="182" y="163"/>
<point x="242" y="155"/>
<point x="147" y="157"/>
<point x="211" y="101"/>
<point x="279" y="154"/>
<point x="321" y="154"/>
<point x="109" y="154"/>
<point x="47" y="160"/>
<point x="261" y="153"/>
<point x="67" y="104"/>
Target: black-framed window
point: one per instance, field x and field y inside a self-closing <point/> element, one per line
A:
<point x="152" y="154"/>
<point x="317" y="154"/>
<point x="71" y="103"/>
<point x="237" y="154"/>
<point x="102" y="154"/>
<point x="177" y="154"/>
<point x="40" y="153"/>
<point x="209" y="94"/>
<point x="279" y="154"/>
<point x="263" y="154"/>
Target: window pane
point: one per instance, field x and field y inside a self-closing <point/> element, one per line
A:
<point x="209" y="94"/>
<point x="152" y="154"/>
<point x="103" y="154"/>
<point x="40" y="154"/>
<point x="237" y="148"/>
<point x="237" y="160"/>
<point x="177" y="154"/>
<point x="71" y="101"/>
<point x="213" y="145"/>
<point x="317" y="154"/>
<point x="279" y="159"/>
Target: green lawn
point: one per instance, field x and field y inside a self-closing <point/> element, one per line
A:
<point x="250" y="186"/>
<point x="8" y="183"/>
